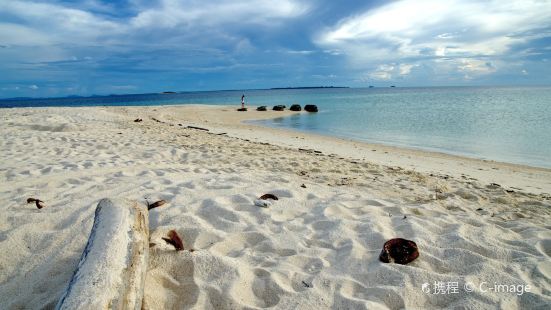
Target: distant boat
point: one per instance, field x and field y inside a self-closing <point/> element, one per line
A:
<point x="168" y="92"/>
<point x="392" y="86"/>
<point x="371" y="86"/>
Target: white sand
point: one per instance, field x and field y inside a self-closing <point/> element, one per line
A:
<point x="315" y="248"/>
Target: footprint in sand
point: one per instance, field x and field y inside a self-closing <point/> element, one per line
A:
<point x="310" y="265"/>
<point x="265" y="288"/>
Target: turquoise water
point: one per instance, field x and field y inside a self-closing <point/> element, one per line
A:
<point x="509" y="124"/>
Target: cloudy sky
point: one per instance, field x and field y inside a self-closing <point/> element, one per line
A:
<point x="84" y="47"/>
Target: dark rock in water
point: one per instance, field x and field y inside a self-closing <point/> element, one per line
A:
<point x="311" y="108"/>
<point x="399" y="251"/>
<point x="262" y="108"/>
<point x="295" y="107"/>
<point x="279" y="107"/>
<point x="242" y="109"/>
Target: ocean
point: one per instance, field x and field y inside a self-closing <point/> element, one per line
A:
<point x="509" y="124"/>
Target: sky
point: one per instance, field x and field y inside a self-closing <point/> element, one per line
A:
<point x="87" y="47"/>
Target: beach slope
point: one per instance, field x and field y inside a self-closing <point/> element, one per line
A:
<point x="476" y="223"/>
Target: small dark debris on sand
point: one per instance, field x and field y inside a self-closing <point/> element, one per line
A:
<point x="138" y="120"/>
<point x="303" y="186"/>
<point x="39" y="203"/>
<point x="306" y="284"/>
<point x="268" y="196"/>
<point x="156" y="204"/>
<point x="198" y="128"/>
<point x="174" y="240"/>
<point x="400" y="251"/>
<point x="310" y="151"/>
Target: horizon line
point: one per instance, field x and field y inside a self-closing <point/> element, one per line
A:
<point x="168" y="92"/>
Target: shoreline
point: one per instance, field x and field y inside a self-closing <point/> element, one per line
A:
<point x="527" y="178"/>
<point x="248" y="121"/>
<point x="404" y="147"/>
<point x="530" y="179"/>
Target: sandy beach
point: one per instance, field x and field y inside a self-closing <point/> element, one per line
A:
<point x="476" y="222"/>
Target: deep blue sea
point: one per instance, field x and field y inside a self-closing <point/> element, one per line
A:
<point x="510" y="124"/>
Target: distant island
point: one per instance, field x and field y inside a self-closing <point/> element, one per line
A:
<point x="310" y="87"/>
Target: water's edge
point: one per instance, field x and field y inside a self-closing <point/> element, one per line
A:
<point x="266" y="124"/>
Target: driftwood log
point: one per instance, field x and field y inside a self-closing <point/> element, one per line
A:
<point x="111" y="271"/>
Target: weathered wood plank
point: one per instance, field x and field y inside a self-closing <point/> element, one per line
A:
<point x="111" y="271"/>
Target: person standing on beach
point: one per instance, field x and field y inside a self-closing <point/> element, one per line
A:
<point x="243" y="101"/>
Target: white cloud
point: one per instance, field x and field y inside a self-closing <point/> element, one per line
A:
<point x="383" y="72"/>
<point x="475" y="66"/>
<point x="387" y="72"/>
<point x="334" y="52"/>
<point x="405" y="69"/>
<point x="425" y="30"/>
<point x="300" y="52"/>
<point x="380" y="75"/>
<point x="45" y="23"/>
<point x="146" y="35"/>
<point x="173" y="13"/>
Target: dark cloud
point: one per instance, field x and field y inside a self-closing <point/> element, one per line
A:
<point x="90" y="45"/>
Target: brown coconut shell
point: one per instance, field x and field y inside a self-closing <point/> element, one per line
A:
<point x="174" y="240"/>
<point x="399" y="251"/>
